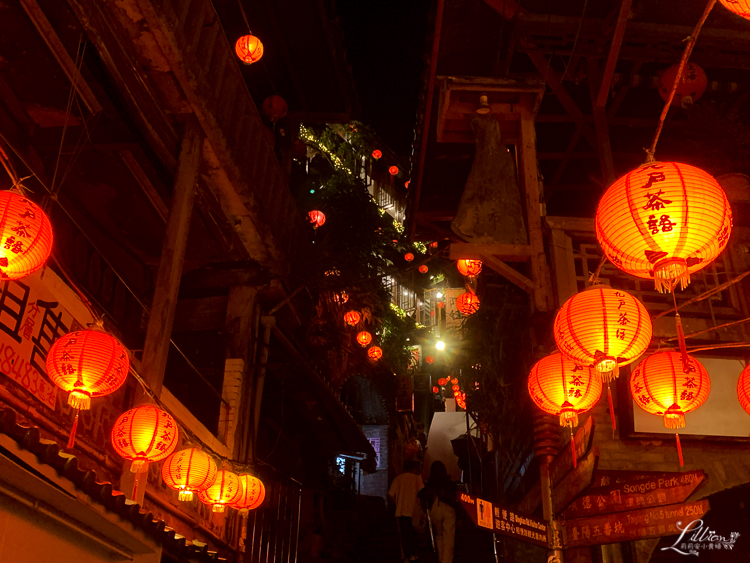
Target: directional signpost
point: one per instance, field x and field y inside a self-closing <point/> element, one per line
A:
<point x="503" y="520"/>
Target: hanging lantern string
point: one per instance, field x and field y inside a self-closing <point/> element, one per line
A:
<point x="594" y="278"/>
<point x="690" y="43"/>
<point x="705" y="295"/>
<point x="680" y="334"/>
<point x="611" y="410"/>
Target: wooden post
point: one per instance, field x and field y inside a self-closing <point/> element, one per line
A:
<point x="159" y="331"/>
<point x="563" y="265"/>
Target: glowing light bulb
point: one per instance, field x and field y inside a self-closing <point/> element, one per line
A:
<point x="440" y="345"/>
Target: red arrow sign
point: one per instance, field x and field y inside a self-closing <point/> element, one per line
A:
<point x="656" y="491"/>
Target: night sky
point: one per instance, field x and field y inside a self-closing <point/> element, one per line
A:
<point x="386" y="44"/>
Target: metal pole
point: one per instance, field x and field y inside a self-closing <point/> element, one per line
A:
<point x="546" y="439"/>
<point x="468" y="451"/>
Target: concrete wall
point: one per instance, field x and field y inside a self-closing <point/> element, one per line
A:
<point x="376" y="484"/>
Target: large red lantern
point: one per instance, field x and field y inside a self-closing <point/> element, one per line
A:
<point x="144" y="434"/>
<point x="743" y="389"/>
<point x="664" y="221"/>
<point x="226" y="489"/>
<point x="469" y="268"/>
<point x="25" y="236"/>
<point x="188" y="471"/>
<point x="693" y="83"/>
<point x="603" y="328"/>
<point x="352" y="318"/>
<point x="316" y="218"/>
<point x="564" y="388"/>
<point x="274" y="107"/>
<point x="249" y="49"/>
<point x="253" y="493"/>
<point x="467" y="303"/>
<point x="364" y="338"/>
<point x="375" y="353"/>
<point x="739" y="7"/>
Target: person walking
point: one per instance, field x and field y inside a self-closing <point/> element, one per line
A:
<point x="403" y="492"/>
<point x="439" y="496"/>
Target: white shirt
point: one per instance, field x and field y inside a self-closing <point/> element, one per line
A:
<point x="404" y="491"/>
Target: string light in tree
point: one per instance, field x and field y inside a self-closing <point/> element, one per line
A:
<point x="189" y="471"/>
<point x="469" y="268"/>
<point x="226" y="490"/>
<point x="25" y="236"/>
<point x="364" y="338"/>
<point x="249" y="49"/>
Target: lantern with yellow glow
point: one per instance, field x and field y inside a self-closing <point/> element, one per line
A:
<point x="467" y="303"/>
<point x="664" y="221"/>
<point x="25" y="236"/>
<point x="393" y="170"/>
<point x="469" y="268"/>
<point x="375" y="353"/>
<point x="663" y="384"/>
<point x="408" y="256"/>
<point x="249" y="49"/>
<point x="423" y="269"/>
<point x="341" y="297"/>
<point x="252" y="496"/>
<point x="603" y="328"/>
<point x="692" y="85"/>
<point x="739" y="7"/>
<point x="144" y="434"/>
<point x="225" y="491"/>
<point x="564" y="388"/>
<point x="376" y="154"/>
<point x="316" y="218"/>
<point x="189" y="471"/>
<point x="743" y="389"/>
<point x="364" y="338"/>
<point x="352" y="318"/>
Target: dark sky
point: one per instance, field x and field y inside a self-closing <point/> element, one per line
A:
<point x="386" y="43"/>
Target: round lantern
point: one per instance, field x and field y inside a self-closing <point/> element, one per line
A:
<point x="393" y="170"/>
<point x="144" y="434"/>
<point x="564" y="388"/>
<point x="87" y="363"/>
<point x="352" y="318"/>
<point x="249" y="49"/>
<point x="25" y="236"/>
<point x="253" y="493"/>
<point x="456" y="387"/>
<point x="274" y="107"/>
<point x="316" y="218"/>
<point x="440" y="304"/>
<point x="364" y="338"/>
<point x="467" y="303"/>
<point x="435" y="390"/>
<point x="341" y="297"/>
<point x="225" y="490"/>
<point x="454" y="380"/>
<point x="739" y="7"/>
<point x="423" y="269"/>
<point x="469" y="268"/>
<point x="375" y="353"/>
<point x="662" y="385"/>
<point x="664" y="221"/>
<point x="376" y="154"/>
<point x="603" y="328"/>
<point x="743" y="389"/>
<point x="188" y="471"/>
<point x="693" y="83"/>
<point x="406" y="184"/>
<point x="408" y="256"/>
<point x="431" y="360"/>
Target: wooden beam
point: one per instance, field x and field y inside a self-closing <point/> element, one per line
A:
<point x="146" y="185"/>
<point x="614" y="53"/>
<point x="563" y="163"/>
<point x="507" y="252"/>
<point x="604" y="148"/>
<point x="48" y="33"/>
<point x="510" y="274"/>
<point x="161" y="320"/>
<point x="563" y="265"/>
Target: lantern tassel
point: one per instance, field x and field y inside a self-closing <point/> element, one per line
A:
<point x="573" y="447"/>
<point x="72" y="438"/>
<point x="611" y="411"/>
<point x="679" y="449"/>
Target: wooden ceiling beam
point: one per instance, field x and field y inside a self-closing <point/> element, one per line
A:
<point x="563" y="163"/>
<point x="614" y="53"/>
<point x="603" y="146"/>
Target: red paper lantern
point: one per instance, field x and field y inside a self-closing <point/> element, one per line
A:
<point x="431" y="360"/>
<point x="454" y="380"/>
<point x="442" y="380"/>
<point x="692" y="84"/>
<point x="456" y="387"/>
<point x="144" y="434"/>
<point x="25" y="236"/>
<point x="376" y="154"/>
<point x="352" y="318"/>
<point x="660" y="385"/>
<point x="375" y="353"/>
<point x="249" y="49"/>
<point x="225" y="490"/>
<point x="87" y="363"/>
<point x="316" y="218"/>
<point x="408" y="256"/>
<point x="188" y="471"/>
<point x="440" y="304"/>
<point x="739" y="7"/>
<point x="393" y="170"/>
<point x="406" y="184"/>
<point x="743" y="389"/>
<point x="364" y="338"/>
<point x="603" y="328"/>
<point x="341" y="297"/>
<point x="423" y="269"/>
<point x="664" y="221"/>
<point x="253" y="493"/>
<point x="469" y="268"/>
<point x="435" y="390"/>
<point x="274" y="107"/>
<point x="467" y="303"/>
<point x="564" y="388"/>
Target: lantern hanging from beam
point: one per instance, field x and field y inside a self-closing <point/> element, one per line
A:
<point x="253" y="493"/>
<point x="664" y="221"/>
<point x="423" y="269"/>
<point x="249" y="49"/>
<point x="25" y="236"/>
<point x="364" y="338"/>
<point x="603" y="328"/>
<point x="692" y="85"/>
<point x="469" y="268"/>
<point x="393" y="170"/>
<point x="189" y="471"/>
<point x="408" y="256"/>
<point x="375" y="353"/>
<point x="376" y="154"/>
<point x="352" y="318"/>
<point x="467" y="303"/>
<point x="274" y="107"/>
<point x="739" y="7"/>
<point x="431" y="360"/>
<point x="144" y="434"/>
<point x="316" y="218"/>
<point x="225" y="491"/>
